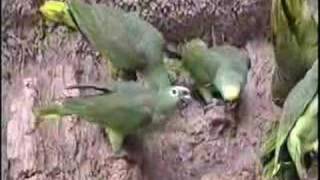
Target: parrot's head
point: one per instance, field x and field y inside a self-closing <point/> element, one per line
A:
<point x="172" y="97"/>
<point x="180" y="93"/>
<point x="193" y="46"/>
<point x="230" y="90"/>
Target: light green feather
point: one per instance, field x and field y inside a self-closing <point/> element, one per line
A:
<point x="295" y="39"/>
<point x="222" y="68"/>
<point x="123" y="111"/>
<point x="129" y="42"/>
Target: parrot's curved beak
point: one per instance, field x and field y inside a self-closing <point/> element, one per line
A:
<point x="184" y="92"/>
<point x="184" y="95"/>
<point x="186" y="99"/>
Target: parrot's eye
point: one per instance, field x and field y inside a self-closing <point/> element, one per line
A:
<point x="174" y="92"/>
<point x="180" y="92"/>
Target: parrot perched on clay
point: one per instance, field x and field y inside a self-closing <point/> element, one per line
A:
<point x="221" y="69"/>
<point x="123" y="110"/>
<point x="130" y="43"/>
<point x="295" y="39"/>
<point x="296" y="135"/>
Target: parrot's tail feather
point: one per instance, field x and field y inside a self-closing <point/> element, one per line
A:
<point x="51" y="111"/>
<point x="269" y="144"/>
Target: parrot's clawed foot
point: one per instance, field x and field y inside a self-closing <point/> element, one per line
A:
<point x="37" y="121"/>
<point x="128" y="76"/>
<point x="120" y="154"/>
<point x="124" y="155"/>
<point x="36" y="124"/>
<point x="31" y="130"/>
<point x="230" y="106"/>
<point x="221" y="125"/>
<point x="116" y="140"/>
<point x="119" y="74"/>
<point x="213" y="103"/>
<point x="115" y="73"/>
<point x="314" y="155"/>
<point x="208" y="107"/>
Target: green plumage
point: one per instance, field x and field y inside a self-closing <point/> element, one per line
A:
<point x="129" y="42"/>
<point x="303" y="138"/>
<point x="296" y="134"/>
<point x="122" y="111"/>
<point x="220" y="69"/>
<point x="295" y="39"/>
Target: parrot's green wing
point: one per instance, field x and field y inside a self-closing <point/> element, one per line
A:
<point x="147" y="40"/>
<point x="105" y="28"/>
<point x="232" y="73"/>
<point x="120" y="113"/>
<point x="233" y="53"/>
<point x="158" y="77"/>
<point x="122" y="87"/>
<point x="298" y="100"/>
<point x="197" y="60"/>
<point x="122" y="110"/>
<point x="202" y="65"/>
<point x="295" y="39"/>
<point x="129" y="42"/>
<point x="130" y="88"/>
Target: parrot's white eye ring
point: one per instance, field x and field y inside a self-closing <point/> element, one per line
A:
<point x="174" y="92"/>
<point x="180" y="91"/>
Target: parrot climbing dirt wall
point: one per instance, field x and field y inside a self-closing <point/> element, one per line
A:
<point x="38" y="63"/>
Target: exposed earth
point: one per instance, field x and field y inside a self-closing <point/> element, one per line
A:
<point x="39" y="61"/>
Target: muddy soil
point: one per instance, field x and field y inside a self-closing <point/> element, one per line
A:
<point x="39" y="61"/>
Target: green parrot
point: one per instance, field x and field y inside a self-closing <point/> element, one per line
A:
<point x="122" y="110"/>
<point x="300" y="142"/>
<point x="295" y="39"/>
<point x="218" y="70"/>
<point x="297" y="132"/>
<point x="130" y="43"/>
